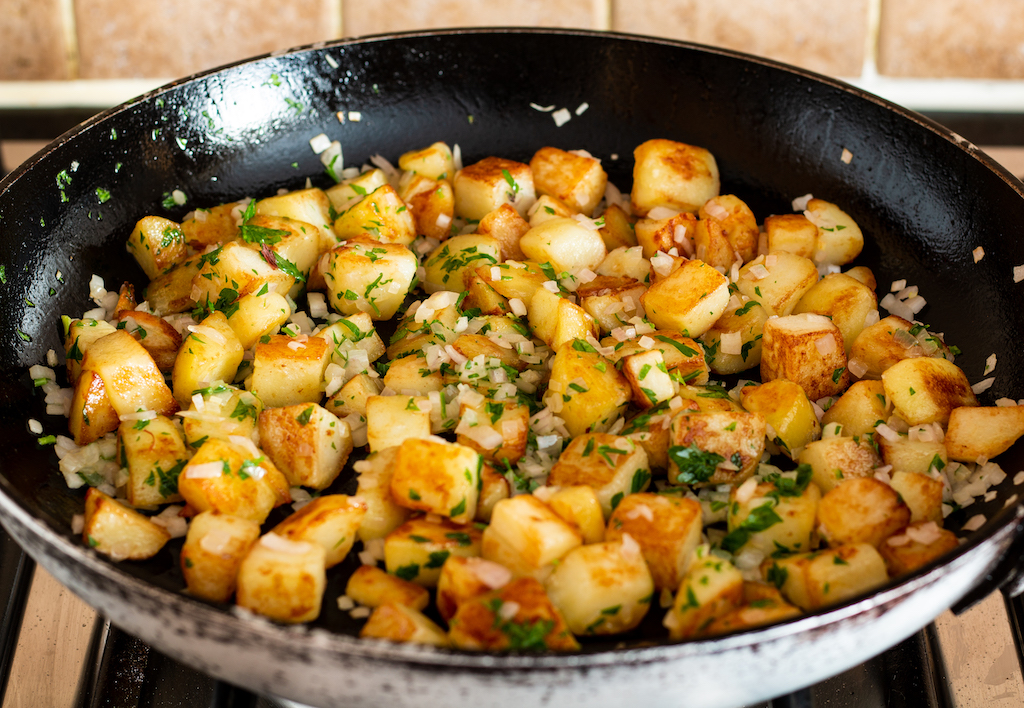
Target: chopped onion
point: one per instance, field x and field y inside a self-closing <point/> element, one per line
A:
<point x="974" y="523"/>
<point x="745" y="492"/>
<point x="983" y="385"/>
<point x="661" y="213"/>
<point x="732" y="343"/>
<point x="886" y="432"/>
<point x="283" y="545"/>
<point x="204" y="470"/>
<point x="800" y="203"/>
<point x="825" y="344"/>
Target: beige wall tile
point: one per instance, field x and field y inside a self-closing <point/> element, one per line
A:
<point x="172" y="38"/>
<point x="827" y="36"/>
<point x="952" y="38"/>
<point x="366" y="17"/>
<point x="31" y="40"/>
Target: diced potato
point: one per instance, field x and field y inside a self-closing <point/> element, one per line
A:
<point x="547" y="208"/>
<point x="482" y="187"/>
<point x="668" y="530"/>
<point x="118" y="531"/>
<point x="673" y="175"/>
<point x="926" y="390"/>
<point x="860" y="408"/>
<point x="311" y="206"/>
<point x="481" y="296"/>
<point x="448" y="264"/>
<point x="256" y="316"/>
<point x="437" y="477"/>
<point x="889" y="341"/>
<point x="516" y="280"/>
<point x="792" y="233"/>
<point x="564" y="243"/>
<point x="757" y="613"/>
<point x="154" y="453"/>
<point x="372" y="587"/>
<point x="611" y="301"/>
<point x="232" y="479"/>
<point x="92" y="415"/>
<point x="213" y="551"/>
<point x="78" y="336"/>
<point x="847" y="302"/>
<point x="211" y="352"/>
<point x="506" y="226"/>
<point x="349" y="192"/>
<point x="493" y="488"/>
<point x="906" y="455"/>
<point x="400" y="623"/>
<point x="463" y="578"/>
<point x="556" y="320"/>
<point x="689" y="300"/>
<point x="233" y="270"/>
<point x="283" y="580"/>
<point x="130" y="376"/>
<point x="331" y="521"/>
<point x="527" y="537"/>
<point x="808" y="350"/>
<point x="707" y="399"/>
<point x="355" y="332"/>
<point x="434" y="161"/>
<point x="369" y="276"/>
<point x="508" y="419"/>
<point x="711" y="244"/>
<point x="864" y="275"/>
<point x="737" y="221"/>
<point x="417" y="549"/>
<point x="577" y="180"/>
<point x="648" y="432"/>
<point x="921" y="493"/>
<point x="626" y="262"/>
<point x="618" y="230"/>
<point x="391" y="420"/>
<point x="722" y="447"/>
<point x="983" y="432"/>
<point x="591" y="398"/>
<point x="380" y="216"/>
<point x="352" y="397"/>
<point x="288" y="371"/>
<point x="172" y="291"/>
<point x="602" y="588"/>
<point x="734" y="342"/>
<point x="536" y="625"/>
<point x="472" y="346"/>
<point x="683" y="357"/>
<point x="410" y="376"/>
<point x="775" y="516"/>
<point x="211" y="226"/>
<point x="814" y="580"/>
<point x="839" y="238"/>
<point x="677" y="232"/>
<point x="578" y="506"/>
<point x="778" y="283"/>
<point x="649" y="378"/>
<point x="432" y="205"/>
<point x="838" y="458"/>
<point x="294" y="240"/>
<point x="787" y="411"/>
<point x="383" y="515"/>
<point x="614" y="466"/>
<point x="157" y="244"/>
<point x="155" y="335"/>
<point x="915" y="547"/>
<point x="711" y="588"/>
<point x="226" y="411"/>
<point x="307" y="443"/>
<point x="861" y="510"/>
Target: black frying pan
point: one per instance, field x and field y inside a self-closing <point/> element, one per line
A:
<point x="923" y="197"/>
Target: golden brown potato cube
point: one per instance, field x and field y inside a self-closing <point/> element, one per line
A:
<point x="603" y="588"/>
<point x="437" y="477"/>
<point x="847" y="302"/>
<point x="732" y="440"/>
<point x="383" y="515"/>
<point x="783" y="507"/>
<point x="839" y="238"/>
<point x="926" y="389"/>
<point x="288" y="370"/>
<point x="649" y="378"/>
<point x="864" y="275"/>
<point x="78" y="336"/>
<point x="814" y="580"/>
<point x="611" y="301"/>
<point x="577" y="180"/>
<point x="618" y="230"/>
<point x="400" y="623"/>
<point x="493" y="488"/>
<point x="707" y="399"/>
<point x="733" y="344"/>
<point x="157" y="244"/>
<point x="651" y="432"/>
<point x="311" y="206"/>
<point x="668" y="530"/>
<point x="369" y="276"/>
<point x="860" y="408"/>
<point x="591" y="398"/>
<point x="683" y="356"/>
<point x="737" y="221"/>
<point x="233" y="270"/>
<point x="171" y="292"/>
<point x="296" y="241"/>
<point x="410" y="376"/>
<point x="614" y="466"/>
<point x="792" y="233"/>
<point x="213" y="551"/>
<point x="753" y="614"/>
<point x="808" y="350"/>
<point x="255" y="316"/>
<point x="861" y="510"/>
<point x="516" y="280"/>
<point x="508" y="419"/>
<point x="889" y="341"/>
<point x="787" y="411"/>
<point x="482" y="187"/>
<point x="711" y="244"/>
<point x="473" y="345"/>
<point x="527" y="537"/>
<point x="434" y="161"/>
<point x="655" y="235"/>
<point x="536" y="625"/>
<point x="916" y="546"/>
<point x="564" y="243"/>
<point x="391" y="420"/>
<point x="155" y="335"/>
<point x="481" y="296"/>
<point x="777" y="281"/>
<point x="118" y="531"/>
<point x="579" y="506"/>
<point x="506" y="226"/>
<point x="463" y="578"/>
<point x="908" y="455"/>
<point x="836" y="459"/>
<point x="352" y="397"/>
<point x="331" y="521"/>
<point x="352" y="333"/>
<point x="372" y="587"/>
<point x="432" y="205"/>
<point x="349" y="192"/>
<point x="211" y="226"/>
<point x="689" y="300"/>
<point x="417" y="549"/>
<point x="232" y="479"/>
<point x="921" y="493"/>
<point x="556" y="320"/>
<point x="283" y="580"/>
<point x="92" y="415"/>
<point x="226" y="411"/>
<point x="211" y="352"/>
<point x="547" y="208"/>
<point x="673" y="175"/>
<point x="447" y="266"/>
<point x="131" y="377"/>
<point x="307" y="443"/>
<point x="983" y="432"/>
<point x="711" y="588"/>
<point x="380" y="216"/>
<point x="154" y="453"/>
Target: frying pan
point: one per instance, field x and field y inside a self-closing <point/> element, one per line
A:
<point x="924" y="197"/>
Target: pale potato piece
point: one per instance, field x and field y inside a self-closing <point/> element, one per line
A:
<point x="834" y="459"/>
<point x="117" y="531"/>
<point x="678" y="232"/>
<point x="155" y="335"/>
<point x="839" y="238"/>
<point x="903" y="554"/>
<point x="92" y="415"/>
<point x="861" y="510"/>
<point x="484" y="186"/>
<point x="577" y="180"/>
<point x="437" y="477"/>
<point x="983" y="432"/>
<point x="610" y="300"/>
<point x="711" y="244"/>
<point x="154" y="453"/>
<point x="926" y="390"/>
<point x="906" y="455"/>
<point x="211" y="352"/>
<point x="883" y="344"/>
<point x="690" y="300"/>
<point x="787" y="411"/>
<point x="401" y="623"/>
<point x="292" y="239"/>
<point x="350" y="192"/>
<point x="213" y="550"/>
<point x="668" y="530"/>
<point x="808" y="350"/>
<point x="255" y="316"/>
<point x="390" y="420"/>
<point x="233" y="270"/>
<point x="516" y="280"/>
<point x="157" y="244"/>
<point x="847" y="302"/>
<point x="556" y="320"/>
<point x="383" y="515"/>
<point x="227" y="477"/>
<point x="448" y="264"/>
<point x="132" y="380"/>
<point x="307" y="443"/>
<point x="673" y="175"/>
<point x="78" y="336"/>
<point x="331" y="521"/>
<point x="546" y="208"/>
<point x="463" y="578"/>
<point x="171" y="292"/>
<point x="216" y="225"/>
<point x="712" y="588"/>
<point x="593" y="392"/>
<point x="783" y="508"/>
<point x="364" y="275"/>
<point x="626" y="262"/>
<point x="311" y="206"/>
<point x="860" y="408"/>
<point x="505" y="226"/>
<point x="777" y="281"/>
<point x="737" y="221"/>
<point x="683" y="356"/>
<point x="282" y="580"/>
<point x="226" y="411"/>
<point x="287" y="371"/>
<point x="381" y="216"/>
<point x="732" y="439"/>
<point x="372" y="587"/>
<point x="493" y="488"/>
<point x="508" y="419"/>
<point x="417" y="549"/>
<point x="814" y="580"/>
<point x="432" y="205"/>
<point x="612" y="465"/>
<point x="579" y="506"/>
<point x="745" y="319"/>
<point x="527" y="537"/>
<point x="649" y="378"/>
<point x="434" y="161"/>
<point x="564" y="243"/>
<point x="922" y="495"/>
<point x="792" y="233"/>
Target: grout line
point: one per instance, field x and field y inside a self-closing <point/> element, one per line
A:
<point x="871" y="39"/>
<point x="602" y="11"/>
<point x="69" y="28"/>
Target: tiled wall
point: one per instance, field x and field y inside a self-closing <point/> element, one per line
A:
<point x="102" y="39"/>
